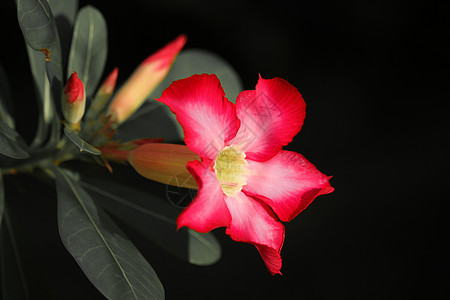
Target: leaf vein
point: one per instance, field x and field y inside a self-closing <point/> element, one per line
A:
<point x="89" y="250"/>
<point x="133" y="259"/>
<point x="104" y="268"/>
<point x="89" y="48"/>
<point x="77" y="232"/>
<point x="80" y="201"/>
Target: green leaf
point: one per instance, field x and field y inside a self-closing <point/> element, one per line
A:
<point x="37" y="23"/>
<point x="77" y="140"/>
<point x="2" y="198"/>
<point x="48" y="128"/>
<point x="106" y="256"/>
<point x="152" y="121"/>
<point x="40" y="33"/>
<point x="64" y="12"/>
<point x="189" y="62"/>
<point x="5" y="100"/>
<point x="89" y="48"/>
<point x="155" y="219"/>
<point x="13" y="284"/>
<point x="11" y="143"/>
<point x="46" y="106"/>
<point x="55" y="133"/>
<point x="11" y="148"/>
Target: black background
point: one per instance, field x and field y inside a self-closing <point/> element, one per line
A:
<point x="374" y="75"/>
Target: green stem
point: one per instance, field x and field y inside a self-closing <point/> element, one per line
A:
<point x="63" y="152"/>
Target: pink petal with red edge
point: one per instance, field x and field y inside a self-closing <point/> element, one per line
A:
<point x="288" y="183"/>
<point x="207" y="117"/>
<point x="208" y="209"/>
<point x="270" y="117"/>
<point x="252" y="221"/>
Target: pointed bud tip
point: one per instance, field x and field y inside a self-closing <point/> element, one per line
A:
<point x="110" y="82"/>
<point x="143" y="81"/>
<point x="166" y="55"/>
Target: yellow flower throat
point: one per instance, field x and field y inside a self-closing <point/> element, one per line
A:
<point x="231" y="168"/>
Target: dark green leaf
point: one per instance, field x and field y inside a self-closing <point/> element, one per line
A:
<point x="89" y="48"/>
<point x="152" y="121"/>
<point x="40" y="33"/>
<point x="2" y="198"/>
<point x="37" y="65"/>
<point x="106" y="256"/>
<point x="5" y="100"/>
<point x="10" y="143"/>
<point x="64" y="12"/>
<point x="48" y="128"/>
<point x="13" y="284"/>
<point x="11" y="148"/>
<point x="77" y="140"/>
<point x="54" y="134"/>
<point x="37" y="24"/>
<point x="43" y="47"/>
<point x="67" y="9"/>
<point x="8" y="132"/>
<point x="45" y="100"/>
<point x="155" y="219"/>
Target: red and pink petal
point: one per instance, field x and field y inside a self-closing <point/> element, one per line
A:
<point x="271" y="257"/>
<point x="288" y="183"/>
<point x="208" y="119"/>
<point x="208" y="210"/>
<point x="270" y="117"/>
<point x="252" y="221"/>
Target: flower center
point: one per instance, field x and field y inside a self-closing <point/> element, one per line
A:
<point x="231" y="168"/>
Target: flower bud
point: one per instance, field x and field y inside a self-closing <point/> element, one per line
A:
<point x="102" y="96"/>
<point x="109" y="84"/>
<point x="74" y="100"/>
<point x="165" y="163"/>
<point x="144" y="80"/>
<point x="119" y="152"/>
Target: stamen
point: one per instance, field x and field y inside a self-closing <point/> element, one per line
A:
<point x="231" y="170"/>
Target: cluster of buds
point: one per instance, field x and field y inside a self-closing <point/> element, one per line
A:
<point x="101" y="121"/>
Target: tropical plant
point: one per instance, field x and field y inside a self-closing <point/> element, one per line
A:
<point x="67" y="52"/>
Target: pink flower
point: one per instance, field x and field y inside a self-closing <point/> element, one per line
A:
<point x="246" y="182"/>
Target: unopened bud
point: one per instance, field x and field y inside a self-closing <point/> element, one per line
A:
<point x="144" y="80"/>
<point x="103" y="94"/>
<point x="74" y="100"/>
<point x="165" y="163"/>
<point x="108" y="85"/>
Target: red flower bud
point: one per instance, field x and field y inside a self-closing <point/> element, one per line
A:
<point x="74" y="99"/>
<point x="144" y="80"/>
